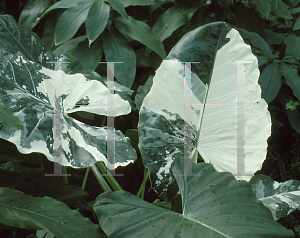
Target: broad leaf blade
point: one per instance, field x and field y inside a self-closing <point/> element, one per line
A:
<point x="16" y="38"/>
<point x="291" y="75"/>
<point x="141" y="32"/>
<point x="270" y="82"/>
<point x="70" y="21"/>
<point x="69" y="45"/>
<point x="117" y="49"/>
<point x="280" y="198"/>
<point x="8" y="119"/>
<point x="213" y="126"/>
<point x="27" y="212"/>
<point x="28" y="90"/>
<point x="97" y="19"/>
<point x="214" y="205"/>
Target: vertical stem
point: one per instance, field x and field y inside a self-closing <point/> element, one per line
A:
<point x="110" y="179"/>
<point x="100" y="179"/>
<point x="85" y="177"/>
<point x="64" y="171"/>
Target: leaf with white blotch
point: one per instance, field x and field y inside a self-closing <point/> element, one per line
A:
<point x="213" y="114"/>
<point x="28" y="90"/>
<point x="280" y="198"/>
<point x="214" y="205"/>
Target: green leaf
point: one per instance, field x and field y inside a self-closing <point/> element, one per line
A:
<point x="256" y="40"/>
<point x="97" y="19"/>
<point x="270" y="82"/>
<point x="70" y="21"/>
<point x="212" y="127"/>
<point x="117" y="49"/>
<point x="89" y="56"/>
<point x="127" y="3"/>
<point x="293" y="115"/>
<point x="214" y="205"/>
<point x="14" y="39"/>
<point x="297" y="24"/>
<point x="291" y="75"/>
<point x="27" y="212"/>
<point x="140" y="31"/>
<point x="134" y="138"/>
<point x="118" y="6"/>
<point x="171" y="20"/>
<point x="142" y="91"/>
<point x="33" y="98"/>
<point x="64" y="4"/>
<point x="292" y="45"/>
<point x="8" y="119"/>
<point x="69" y="45"/>
<point x="280" y="198"/>
<point x="31" y="11"/>
<point x="264" y="7"/>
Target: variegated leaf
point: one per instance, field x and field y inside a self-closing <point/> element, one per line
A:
<point x="28" y="90"/>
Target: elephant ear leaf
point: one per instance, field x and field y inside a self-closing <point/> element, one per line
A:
<point x="229" y="121"/>
<point x="31" y="93"/>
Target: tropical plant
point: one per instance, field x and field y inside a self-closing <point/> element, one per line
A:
<point x="193" y="155"/>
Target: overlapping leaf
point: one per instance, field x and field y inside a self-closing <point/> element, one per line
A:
<point x="20" y="210"/>
<point x="213" y="114"/>
<point x="280" y="198"/>
<point x="214" y="205"/>
<point x="28" y="90"/>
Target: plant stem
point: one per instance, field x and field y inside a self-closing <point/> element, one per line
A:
<point x="64" y="171"/>
<point x="142" y="188"/>
<point x="85" y="177"/>
<point x="100" y="179"/>
<point x="109" y="177"/>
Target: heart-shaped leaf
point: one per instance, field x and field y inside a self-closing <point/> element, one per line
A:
<point x="214" y="205"/>
<point x="28" y="90"/>
<point x="220" y="101"/>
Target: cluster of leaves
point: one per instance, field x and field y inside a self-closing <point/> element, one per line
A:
<point x="138" y="33"/>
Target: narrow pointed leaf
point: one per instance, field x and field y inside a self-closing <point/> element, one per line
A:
<point x="20" y="210"/>
<point x="70" y="21"/>
<point x="117" y="49"/>
<point x="89" y="56"/>
<point x="97" y="19"/>
<point x="297" y="24"/>
<point x="118" y="6"/>
<point x="31" y="11"/>
<point x="63" y="4"/>
<point x="270" y="82"/>
<point x="141" y="32"/>
<point x="214" y="205"/>
<point x="28" y="90"/>
<point x="171" y="20"/>
<point x="69" y="45"/>
<point x="127" y="3"/>
<point x="291" y="75"/>
<point x="213" y="123"/>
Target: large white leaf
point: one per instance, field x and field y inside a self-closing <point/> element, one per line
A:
<point x="28" y="90"/>
<point x="213" y="126"/>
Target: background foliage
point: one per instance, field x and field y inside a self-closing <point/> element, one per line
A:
<point x="140" y="33"/>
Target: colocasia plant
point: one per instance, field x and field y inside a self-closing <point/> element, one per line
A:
<point x="202" y="134"/>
